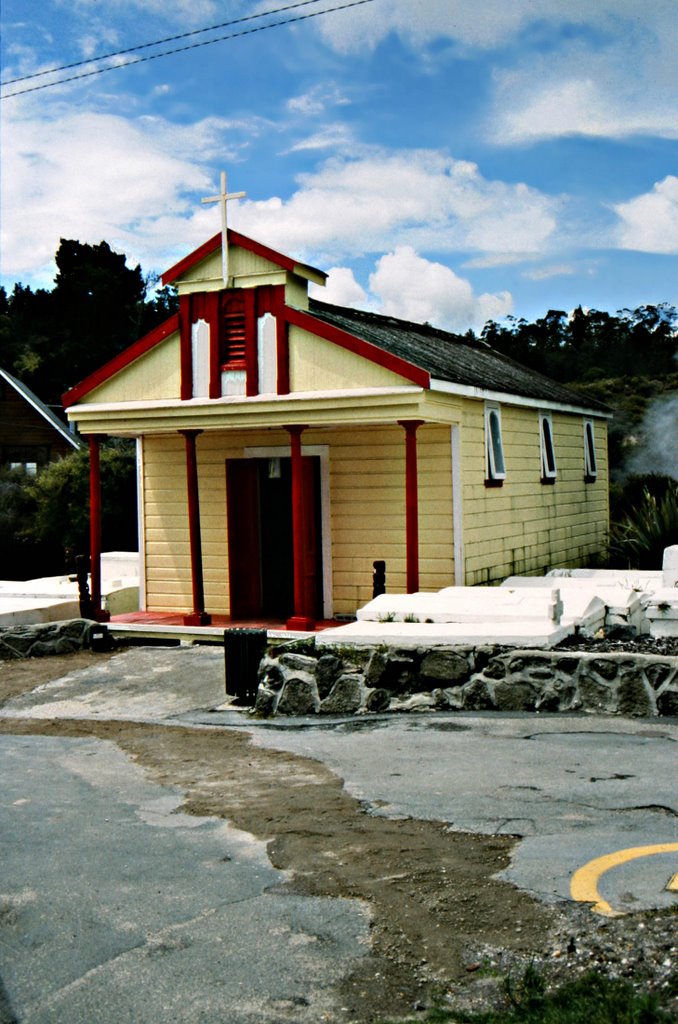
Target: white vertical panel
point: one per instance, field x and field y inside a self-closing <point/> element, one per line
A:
<point x="267" y="354"/>
<point x="200" y="355"/>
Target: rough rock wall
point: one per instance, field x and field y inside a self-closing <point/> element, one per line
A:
<point x="47" y="638"/>
<point x="484" y="678"/>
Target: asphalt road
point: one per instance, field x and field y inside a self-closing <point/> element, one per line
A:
<point x="90" y="848"/>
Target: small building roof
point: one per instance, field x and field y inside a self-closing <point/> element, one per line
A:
<point x="452" y="358"/>
<point x="42" y="409"/>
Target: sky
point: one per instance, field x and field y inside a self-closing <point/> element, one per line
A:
<point x="452" y="161"/>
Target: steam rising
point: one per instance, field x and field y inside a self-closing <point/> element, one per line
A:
<point x="657" y="449"/>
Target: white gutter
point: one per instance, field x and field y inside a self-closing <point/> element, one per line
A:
<point x="466" y="391"/>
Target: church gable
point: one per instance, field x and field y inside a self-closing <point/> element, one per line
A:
<point x="320" y="365"/>
<point x="155" y="375"/>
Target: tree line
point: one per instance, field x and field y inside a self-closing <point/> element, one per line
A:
<point x="52" y="339"/>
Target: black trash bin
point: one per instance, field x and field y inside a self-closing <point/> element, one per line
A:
<point x="243" y="650"/>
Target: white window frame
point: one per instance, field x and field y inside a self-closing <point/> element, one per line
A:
<point x="495" y="463"/>
<point x="547" y="448"/>
<point x="590" y="460"/>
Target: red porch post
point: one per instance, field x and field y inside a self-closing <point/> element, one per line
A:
<point x="95" y="528"/>
<point x="411" y="504"/>
<point x="198" y="617"/>
<point x="301" y="619"/>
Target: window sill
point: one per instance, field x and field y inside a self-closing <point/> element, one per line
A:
<point x="494" y="483"/>
<point x="548" y="480"/>
<point x="589" y="479"/>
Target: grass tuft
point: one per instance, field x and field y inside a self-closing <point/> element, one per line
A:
<point x="591" y="999"/>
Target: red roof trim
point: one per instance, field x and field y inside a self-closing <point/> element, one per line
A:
<point x="123" y="359"/>
<point x="213" y="244"/>
<point x="360" y="347"/>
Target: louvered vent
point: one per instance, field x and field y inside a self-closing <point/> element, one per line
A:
<point x="235" y="333"/>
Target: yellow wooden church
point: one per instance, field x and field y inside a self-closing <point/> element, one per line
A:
<point x="285" y="444"/>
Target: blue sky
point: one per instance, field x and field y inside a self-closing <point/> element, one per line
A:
<point x="445" y="160"/>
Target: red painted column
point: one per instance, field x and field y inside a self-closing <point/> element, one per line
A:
<point x="95" y="528"/>
<point x="301" y="620"/>
<point x="411" y="504"/>
<point x="198" y="617"/>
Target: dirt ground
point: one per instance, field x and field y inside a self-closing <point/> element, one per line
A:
<point x="435" y="908"/>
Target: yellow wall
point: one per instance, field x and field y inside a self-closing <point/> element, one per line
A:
<point x="367" y="486"/>
<point x="154" y="375"/>
<point x="318" y="365"/>
<point x="522" y="527"/>
<point x="526" y="527"/>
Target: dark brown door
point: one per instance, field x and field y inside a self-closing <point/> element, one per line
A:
<point x="260" y="543"/>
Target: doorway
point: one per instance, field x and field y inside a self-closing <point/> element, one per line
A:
<point x="260" y="546"/>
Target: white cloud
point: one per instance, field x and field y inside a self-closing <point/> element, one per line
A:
<point x="493" y="24"/>
<point x="422" y="198"/>
<point x="95" y="176"/>
<point x="331" y="137"/>
<point x="341" y="289"/>
<point x="412" y="288"/>
<point x="317" y="100"/>
<point x="605" y="69"/>
<point x="650" y="221"/>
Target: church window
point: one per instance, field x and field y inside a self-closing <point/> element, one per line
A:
<point x="590" y="463"/>
<point x="495" y="467"/>
<point x="548" y="455"/>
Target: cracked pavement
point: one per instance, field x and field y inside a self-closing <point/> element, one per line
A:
<point x="116" y="906"/>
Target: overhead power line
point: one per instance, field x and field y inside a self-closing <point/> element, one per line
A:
<point x="177" y="49"/>
<point x="156" y="42"/>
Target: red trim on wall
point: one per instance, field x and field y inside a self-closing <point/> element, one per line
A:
<point x="301" y="620"/>
<point x="214" y="243"/>
<point x="358" y="346"/>
<point x="198" y="617"/>
<point x="186" y="347"/>
<point x="95" y="527"/>
<point x="119" y="362"/>
<point x="283" y="354"/>
<point x="411" y="504"/>
<point x="251" y="344"/>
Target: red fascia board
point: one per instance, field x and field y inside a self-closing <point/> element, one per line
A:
<point x="123" y="359"/>
<point x="214" y="243"/>
<point x="360" y="347"/>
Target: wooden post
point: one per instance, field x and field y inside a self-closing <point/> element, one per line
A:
<point x="95" y="528"/>
<point x="301" y="620"/>
<point x="198" y="617"/>
<point x="411" y="504"/>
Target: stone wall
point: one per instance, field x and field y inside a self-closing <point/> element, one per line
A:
<point x="298" y="680"/>
<point x="48" y="638"/>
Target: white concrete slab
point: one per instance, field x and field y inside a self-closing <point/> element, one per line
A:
<point x="465" y="604"/>
<point x="542" y="634"/>
<point x="662" y="612"/>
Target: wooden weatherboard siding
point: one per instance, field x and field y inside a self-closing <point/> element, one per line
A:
<point x="318" y="365"/>
<point x="525" y="526"/>
<point x="367" y="511"/>
<point x="154" y="375"/>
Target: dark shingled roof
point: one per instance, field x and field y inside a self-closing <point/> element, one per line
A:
<point x="450" y="357"/>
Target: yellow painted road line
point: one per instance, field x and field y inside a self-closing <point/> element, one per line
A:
<point x="584" y="884"/>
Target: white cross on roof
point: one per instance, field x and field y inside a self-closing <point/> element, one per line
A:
<point x="223" y="198"/>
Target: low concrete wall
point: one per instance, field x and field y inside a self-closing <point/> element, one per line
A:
<point x="44" y="639"/>
<point x="306" y="681"/>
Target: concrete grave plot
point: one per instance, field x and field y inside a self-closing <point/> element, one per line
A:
<point x="456" y="615"/>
